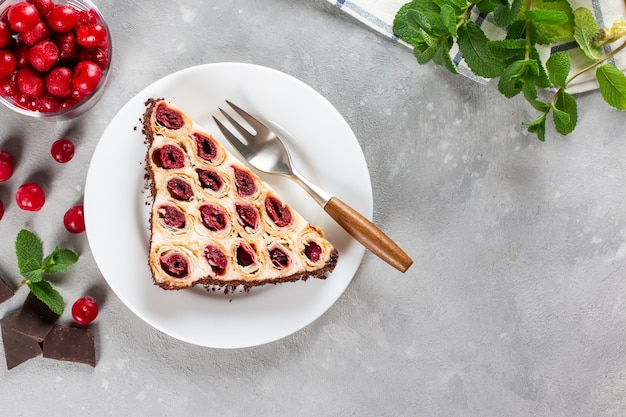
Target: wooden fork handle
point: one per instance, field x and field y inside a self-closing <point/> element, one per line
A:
<point x="368" y="234"/>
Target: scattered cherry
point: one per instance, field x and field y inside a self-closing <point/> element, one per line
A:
<point x="62" y="150"/>
<point x="1" y="209"/>
<point x="30" y="197"/>
<point x="6" y="165"/>
<point x="85" y="310"/>
<point x="74" y="220"/>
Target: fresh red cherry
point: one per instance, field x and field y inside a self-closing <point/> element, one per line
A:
<point x="21" y="52"/>
<point x="6" y="165"/>
<point x="91" y="36"/>
<point x="62" y="150"/>
<point x="88" y="16"/>
<point x="74" y="219"/>
<point x="43" y="6"/>
<point x="85" y="78"/>
<point x="38" y="33"/>
<point x="68" y="47"/>
<point x="22" y="16"/>
<point x="96" y="55"/>
<point x="1" y="209"/>
<point x="43" y="55"/>
<point x="8" y="63"/>
<point x="85" y="310"/>
<point x="8" y="87"/>
<point x="59" y="82"/>
<point x="30" y="82"/>
<point x="47" y="103"/>
<point x="30" y="197"/>
<point x="63" y="18"/>
<point x="5" y="34"/>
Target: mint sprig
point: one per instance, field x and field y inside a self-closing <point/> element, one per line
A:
<point x="33" y="266"/>
<point x="433" y="27"/>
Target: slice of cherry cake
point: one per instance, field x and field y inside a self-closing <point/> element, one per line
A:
<point x="213" y="221"/>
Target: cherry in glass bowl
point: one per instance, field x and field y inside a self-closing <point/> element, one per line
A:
<point x="55" y="57"/>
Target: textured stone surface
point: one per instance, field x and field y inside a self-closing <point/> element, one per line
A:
<point x="516" y="303"/>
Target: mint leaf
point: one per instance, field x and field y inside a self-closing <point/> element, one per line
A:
<point x="424" y="53"/>
<point x="549" y="17"/>
<point x="504" y="13"/>
<point x="585" y="29"/>
<point x="542" y="78"/>
<point x="29" y="252"/>
<point x="530" y="94"/>
<point x="612" y="85"/>
<point x="538" y="127"/>
<point x="448" y="17"/>
<point x="564" y="113"/>
<point x="514" y="77"/>
<point x="48" y="295"/>
<point x="401" y="27"/>
<point x="32" y="266"/>
<point x="547" y="33"/>
<point x="558" y="66"/>
<point x="458" y="5"/>
<point x="473" y="44"/>
<point x="59" y="260"/>
<point x="487" y="6"/>
<point x="508" y="49"/>
<point x="417" y="20"/>
<point x="442" y="55"/>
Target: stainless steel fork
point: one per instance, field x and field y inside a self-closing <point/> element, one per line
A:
<point x="265" y="151"/>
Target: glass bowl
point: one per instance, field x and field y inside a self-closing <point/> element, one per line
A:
<point x="84" y="41"/>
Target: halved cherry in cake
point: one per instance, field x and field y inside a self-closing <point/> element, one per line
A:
<point x="278" y="211"/>
<point x="246" y="186"/>
<point x="216" y="259"/>
<point x="169" y="157"/>
<point x="169" y="118"/>
<point x="248" y="215"/>
<point x="207" y="149"/>
<point x="172" y="216"/>
<point x="213" y="217"/>
<point x="280" y="258"/>
<point x="209" y="179"/>
<point x="174" y="265"/>
<point x="179" y="189"/>
<point x="245" y="254"/>
<point x="313" y="251"/>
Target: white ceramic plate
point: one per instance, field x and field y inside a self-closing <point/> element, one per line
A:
<point x="117" y="205"/>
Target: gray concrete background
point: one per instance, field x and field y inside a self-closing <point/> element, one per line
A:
<point x="516" y="303"/>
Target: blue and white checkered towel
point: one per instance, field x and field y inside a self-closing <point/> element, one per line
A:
<point x="379" y="15"/>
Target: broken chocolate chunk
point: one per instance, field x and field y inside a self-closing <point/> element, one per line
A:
<point x="72" y="344"/>
<point x="18" y="348"/>
<point x="6" y="292"/>
<point x="35" y="319"/>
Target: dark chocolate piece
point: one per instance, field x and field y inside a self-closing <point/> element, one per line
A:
<point x="69" y="343"/>
<point x="6" y="292"/>
<point x="35" y="319"/>
<point x="18" y="348"/>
